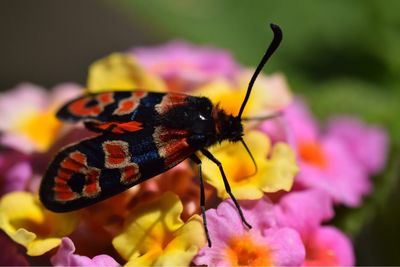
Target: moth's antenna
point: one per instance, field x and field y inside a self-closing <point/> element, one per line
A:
<point x="271" y="49"/>
<point x="251" y="156"/>
<point x="265" y="117"/>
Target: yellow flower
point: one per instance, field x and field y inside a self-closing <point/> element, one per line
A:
<point x="42" y="138"/>
<point x="270" y="93"/>
<point x="155" y="235"/>
<point x="121" y="72"/>
<point x="25" y="221"/>
<point x="276" y="167"/>
<point x="27" y="116"/>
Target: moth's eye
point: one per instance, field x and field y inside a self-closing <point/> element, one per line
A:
<point x="202" y="117"/>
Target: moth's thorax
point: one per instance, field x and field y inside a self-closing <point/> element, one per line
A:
<point x="205" y="123"/>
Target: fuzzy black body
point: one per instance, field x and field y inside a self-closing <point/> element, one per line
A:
<point x="142" y="134"/>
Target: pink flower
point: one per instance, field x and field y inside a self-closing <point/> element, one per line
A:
<point x="326" y="162"/>
<point x="369" y="144"/>
<point x="184" y="66"/>
<point x="305" y="211"/>
<point x="27" y="116"/>
<point x="265" y="244"/>
<point x="65" y="257"/>
<point x="15" y="171"/>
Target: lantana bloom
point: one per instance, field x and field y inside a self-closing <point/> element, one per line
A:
<point x="269" y="94"/>
<point x="121" y="72"/>
<point x="305" y="211"/>
<point x="15" y="171"/>
<point x="369" y="144"/>
<point x="65" y="257"/>
<point x="27" y="116"/>
<point x="266" y="244"/>
<point x="148" y="227"/>
<point x="28" y="223"/>
<point x="184" y="66"/>
<point x="276" y="167"/>
<point x="155" y="235"/>
<point x="325" y="161"/>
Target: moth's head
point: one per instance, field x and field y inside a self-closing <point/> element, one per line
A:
<point x="227" y="127"/>
<point x="233" y="126"/>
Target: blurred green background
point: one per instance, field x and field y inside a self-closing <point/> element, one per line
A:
<point x="342" y="56"/>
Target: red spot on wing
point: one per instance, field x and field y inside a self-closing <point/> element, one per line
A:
<point x="130" y="173"/>
<point x="119" y="128"/>
<point x="116" y="154"/>
<point x="92" y="187"/>
<point x="128" y="105"/>
<point x="169" y="101"/>
<point x="81" y="107"/>
<point x="76" y="162"/>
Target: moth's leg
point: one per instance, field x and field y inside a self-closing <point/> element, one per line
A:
<point x="226" y="183"/>
<point x="196" y="160"/>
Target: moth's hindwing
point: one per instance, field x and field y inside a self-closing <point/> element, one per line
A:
<point x="100" y="167"/>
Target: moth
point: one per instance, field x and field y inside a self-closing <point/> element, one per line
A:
<point x="141" y="134"/>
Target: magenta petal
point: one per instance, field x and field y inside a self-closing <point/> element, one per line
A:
<point x="65" y="257"/>
<point x="368" y="144"/>
<point x="329" y="247"/>
<point x="223" y="222"/>
<point x="343" y="179"/>
<point x="15" y="171"/>
<point x="304" y="210"/>
<point x="187" y="62"/>
<point x="300" y="121"/>
<point x="286" y="246"/>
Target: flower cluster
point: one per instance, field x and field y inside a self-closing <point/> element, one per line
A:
<point x="302" y="173"/>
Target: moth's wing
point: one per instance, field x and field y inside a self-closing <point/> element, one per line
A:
<point x="122" y="106"/>
<point x="95" y="169"/>
<point x="113" y="127"/>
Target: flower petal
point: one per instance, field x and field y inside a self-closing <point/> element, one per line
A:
<point x="155" y="235"/>
<point x="304" y="211"/>
<point x="65" y="257"/>
<point x="265" y="244"/>
<point x="25" y="221"/>
<point x="274" y="173"/>
<point x="120" y="72"/>
<point x="184" y="66"/>
<point x="328" y="246"/>
<point x="370" y="150"/>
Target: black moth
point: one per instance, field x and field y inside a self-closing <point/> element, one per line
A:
<point x="142" y="135"/>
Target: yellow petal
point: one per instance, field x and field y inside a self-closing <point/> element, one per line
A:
<point x="282" y="167"/>
<point x="121" y="72"/>
<point x="155" y="235"/>
<point x="274" y="173"/>
<point x="42" y="137"/>
<point x="270" y="93"/>
<point x="23" y="219"/>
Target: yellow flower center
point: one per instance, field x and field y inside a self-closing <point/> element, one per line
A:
<point x="243" y="251"/>
<point x="312" y="153"/>
<point x="41" y="128"/>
